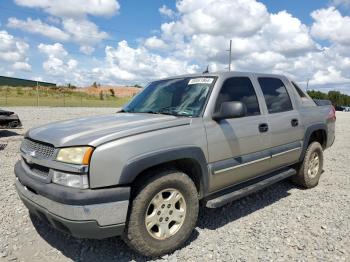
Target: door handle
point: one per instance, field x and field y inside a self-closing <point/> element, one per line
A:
<point x="263" y="127"/>
<point x="294" y="122"/>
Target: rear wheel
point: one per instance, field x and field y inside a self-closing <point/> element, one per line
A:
<point x="309" y="171"/>
<point x="163" y="214"/>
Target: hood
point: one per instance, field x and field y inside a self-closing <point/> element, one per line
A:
<point x="97" y="130"/>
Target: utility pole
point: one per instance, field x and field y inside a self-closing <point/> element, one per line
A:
<point x="230" y="56"/>
<point x="6" y="91"/>
<point x="37" y="93"/>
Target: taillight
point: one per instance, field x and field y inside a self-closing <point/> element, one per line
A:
<point x="331" y="114"/>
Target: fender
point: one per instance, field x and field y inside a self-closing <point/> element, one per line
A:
<point x="141" y="163"/>
<point x="308" y="132"/>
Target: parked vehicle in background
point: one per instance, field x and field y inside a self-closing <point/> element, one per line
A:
<point x="339" y="108"/>
<point x="9" y="119"/>
<point x="140" y="173"/>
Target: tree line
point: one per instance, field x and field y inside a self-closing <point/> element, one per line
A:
<point x="337" y="98"/>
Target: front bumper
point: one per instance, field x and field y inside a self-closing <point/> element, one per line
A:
<point x="96" y="217"/>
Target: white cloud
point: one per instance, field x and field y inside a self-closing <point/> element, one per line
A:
<point x="72" y="16"/>
<point x="331" y="25"/>
<point x="286" y="34"/>
<point x="199" y="35"/>
<point x="55" y="50"/>
<point x="9" y="73"/>
<point x="72" y="64"/>
<point x="216" y="18"/>
<point x="36" y="26"/>
<point x="203" y="33"/>
<point x="13" y="52"/>
<point x="84" y="32"/>
<point x="54" y="66"/>
<point x="261" y="41"/>
<point x="196" y="34"/>
<point x="57" y="63"/>
<point x="124" y="63"/>
<point x="22" y="66"/>
<point x="167" y="12"/>
<point x="155" y="43"/>
<point x="38" y="78"/>
<point x="260" y="61"/>
<point x="76" y="8"/>
<point x="329" y="75"/>
<point x="81" y="31"/>
<point x="61" y="68"/>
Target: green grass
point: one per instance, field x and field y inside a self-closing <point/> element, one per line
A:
<point x="56" y="98"/>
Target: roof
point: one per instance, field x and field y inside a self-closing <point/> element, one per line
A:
<point x="12" y="81"/>
<point x="224" y="74"/>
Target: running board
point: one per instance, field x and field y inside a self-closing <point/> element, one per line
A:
<point x="249" y="187"/>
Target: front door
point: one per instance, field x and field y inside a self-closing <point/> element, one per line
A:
<point x="238" y="148"/>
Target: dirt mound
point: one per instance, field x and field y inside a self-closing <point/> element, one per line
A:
<point x="119" y="91"/>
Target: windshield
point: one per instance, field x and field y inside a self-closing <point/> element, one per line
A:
<point x="180" y="96"/>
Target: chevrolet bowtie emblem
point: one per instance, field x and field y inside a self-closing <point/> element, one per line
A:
<point x="32" y="154"/>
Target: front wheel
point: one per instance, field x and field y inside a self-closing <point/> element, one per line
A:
<point x="309" y="171"/>
<point x="163" y="214"/>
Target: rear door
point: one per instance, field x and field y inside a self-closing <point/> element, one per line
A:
<point x="284" y="122"/>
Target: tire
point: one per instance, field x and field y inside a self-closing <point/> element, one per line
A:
<point x="13" y="124"/>
<point x="308" y="174"/>
<point x="149" y="242"/>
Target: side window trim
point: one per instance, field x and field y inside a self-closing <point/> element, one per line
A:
<point x="260" y="95"/>
<point x="299" y="91"/>
<point x="289" y="89"/>
<point x="256" y="92"/>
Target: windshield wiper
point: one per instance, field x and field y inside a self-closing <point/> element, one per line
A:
<point x="151" y="112"/>
<point x="159" y="112"/>
<point x="168" y="111"/>
<point x="141" y="112"/>
<point x="163" y="111"/>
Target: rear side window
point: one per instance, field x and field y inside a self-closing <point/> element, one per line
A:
<point x="275" y="93"/>
<point x="239" y="89"/>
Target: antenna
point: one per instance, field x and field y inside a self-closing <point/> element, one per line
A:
<point x="230" y="56"/>
<point x="206" y="70"/>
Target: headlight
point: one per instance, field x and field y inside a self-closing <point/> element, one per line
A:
<point x="71" y="180"/>
<point x="75" y="155"/>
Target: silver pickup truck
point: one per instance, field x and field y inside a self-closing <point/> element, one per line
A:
<point x="140" y="173"/>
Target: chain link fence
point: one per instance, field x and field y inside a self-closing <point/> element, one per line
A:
<point x="19" y="96"/>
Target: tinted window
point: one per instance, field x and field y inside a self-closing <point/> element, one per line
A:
<point x="239" y="89"/>
<point x="275" y="93"/>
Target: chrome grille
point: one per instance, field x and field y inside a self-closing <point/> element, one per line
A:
<point x="41" y="150"/>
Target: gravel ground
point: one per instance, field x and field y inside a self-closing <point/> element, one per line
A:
<point x="279" y="223"/>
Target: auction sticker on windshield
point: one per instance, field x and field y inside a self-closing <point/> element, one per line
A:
<point x="201" y="80"/>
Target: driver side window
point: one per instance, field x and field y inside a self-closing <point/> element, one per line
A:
<point x="239" y="89"/>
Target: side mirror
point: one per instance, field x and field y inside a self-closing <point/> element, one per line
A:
<point x="232" y="109"/>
